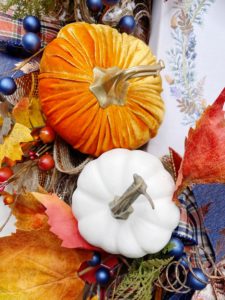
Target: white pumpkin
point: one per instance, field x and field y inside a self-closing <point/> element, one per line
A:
<point x="146" y="229"/>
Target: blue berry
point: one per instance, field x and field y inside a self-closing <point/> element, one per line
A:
<point x="31" y="42"/>
<point x="7" y="86"/>
<point x="94" y="5"/>
<point x="193" y="282"/>
<point x="127" y="24"/>
<point x="96" y="259"/>
<point x="176" y="248"/>
<point x="32" y="24"/>
<point x="102" y="276"/>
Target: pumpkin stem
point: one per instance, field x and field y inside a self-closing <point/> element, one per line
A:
<point x="110" y="85"/>
<point x="121" y="206"/>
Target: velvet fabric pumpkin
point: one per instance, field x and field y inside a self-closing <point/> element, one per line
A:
<point x="79" y="58"/>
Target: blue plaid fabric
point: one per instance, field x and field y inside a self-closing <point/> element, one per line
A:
<point x="191" y="228"/>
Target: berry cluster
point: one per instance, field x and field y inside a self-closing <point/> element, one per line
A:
<point x="126" y="24"/>
<point x="31" y="43"/>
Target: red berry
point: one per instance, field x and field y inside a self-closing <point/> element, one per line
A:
<point x="5" y="173"/>
<point x="47" y="135"/>
<point x="46" y="162"/>
<point x="8" y="199"/>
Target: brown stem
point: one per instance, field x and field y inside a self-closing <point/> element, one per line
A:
<point x="121" y="206"/>
<point x="110" y="85"/>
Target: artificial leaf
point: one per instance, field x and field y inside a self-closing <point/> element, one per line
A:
<point x="11" y="147"/>
<point x="5" y="128"/>
<point x="62" y="221"/>
<point x="204" y="157"/>
<point x="21" y="112"/>
<point x="5" y="120"/>
<point x="176" y="161"/>
<point x="33" y="265"/>
<point x="36" y="117"/>
<point x="28" y="112"/>
<point x="29" y="212"/>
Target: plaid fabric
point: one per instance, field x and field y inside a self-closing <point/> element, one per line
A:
<point x="191" y="228"/>
<point x="11" y="30"/>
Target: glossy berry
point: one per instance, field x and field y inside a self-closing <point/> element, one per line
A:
<point x="46" y="162"/>
<point x="193" y="282"/>
<point x="5" y="174"/>
<point x="110" y="2"/>
<point x="102" y="276"/>
<point x="32" y="24"/>
<point x="127" y="24"/>
<point x="96" y="259"/>
<point x="7" y="86"/>
<point x="176" y="248"/>
<point x="31" y="42"/>
<point x="94" y="5"/>
<point x="47" y="135"/>
<point x="8" y="199"/>
<point x="184" y="261"/>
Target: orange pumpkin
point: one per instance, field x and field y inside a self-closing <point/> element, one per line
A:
<point x="86" y="96"/>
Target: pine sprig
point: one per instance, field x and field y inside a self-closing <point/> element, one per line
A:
<point x="24" y="7"/>
<point x="138" y="283"/>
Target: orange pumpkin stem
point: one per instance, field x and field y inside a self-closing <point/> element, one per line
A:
<point x="110" y="85"/>
<point x="121" y="206"/>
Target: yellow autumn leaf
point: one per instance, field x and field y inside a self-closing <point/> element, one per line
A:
<point x="36" y="117"/>
<point x="28" y="112"/>
<point x="11" y="147"/>
<point x="34" y="266"/>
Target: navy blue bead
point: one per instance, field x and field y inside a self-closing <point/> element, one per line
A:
<point x="193" y="282"/>
<point x="32" y="24"/>
<point x="7" y="86"/>
<point x="31" y="42"/>
<point x="110" y="2"/>
<point x="176" y="248"/>
<point x="102" y="276"/>
<point x="94" y="5"/>
<point x="96" y="259"/>
<point x="127" y="24"/>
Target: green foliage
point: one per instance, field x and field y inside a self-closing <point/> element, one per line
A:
<point x="138" y="283"/>
<point x="34" y="8"/>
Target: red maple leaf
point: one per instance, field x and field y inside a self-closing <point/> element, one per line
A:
<point x="204" y="157"/>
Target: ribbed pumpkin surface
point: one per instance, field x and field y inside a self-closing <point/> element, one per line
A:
<point x="74" y="111"/>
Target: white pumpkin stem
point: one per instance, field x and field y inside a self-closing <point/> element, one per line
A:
<point x="121" y="207"/>
<point x="110" y="85"/>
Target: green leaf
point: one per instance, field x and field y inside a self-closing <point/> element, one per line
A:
<point x="138" y="283"/>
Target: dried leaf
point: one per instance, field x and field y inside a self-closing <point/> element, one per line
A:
<point x="28" y="112"/>
<point x="33" y="265"/>
<point x="5" y="128"/>
<point x="21" y="112"/>
<point x="62" y="221"/>
<point x="11" y="147"/>
<point x="29" y="212"/>
<point x="5" y="120"/>
<point x="204" y="157"/>
<point x="36" y="117"/>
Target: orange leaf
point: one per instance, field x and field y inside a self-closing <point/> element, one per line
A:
<point x="62" y="221"/>
<point x="33" y="265"/>
<point x="29" y="212"/>
<point x="204" y="158"/>
<point x="28" y="112"/>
